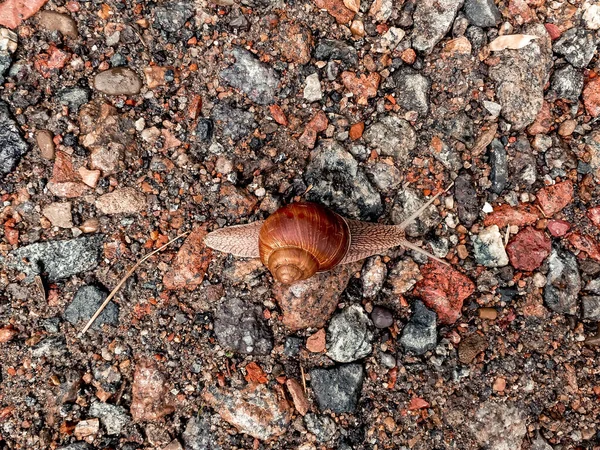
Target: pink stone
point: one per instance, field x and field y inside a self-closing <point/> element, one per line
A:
<point x="558" y="228"/>
<point x="528" y="249"/>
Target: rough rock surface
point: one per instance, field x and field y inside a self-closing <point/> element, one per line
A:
<point x="86" y="302"/>
<point x="419" y="334"/>
<point x="12" y="145"/>
<point x="349" y="335"/>
<point x="563" y="282"/>
<point x="432" y="20"/>
<point x="337" y="389"/>
<point x="499" y="426"/>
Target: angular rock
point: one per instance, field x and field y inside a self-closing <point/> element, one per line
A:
<point x="466" y="199"/>
<point x="257" y="80"/>
<point x="443" y="289"/>
<point x="499" y="164"/>
<point x="420" y="334"/>
<point x="234" y="123"/>
<point x="585" y="243"/>
<point x="392" y="136"/>
<point x="239" y="326"/>
<point x="74" y="97"/>
<point x="122" y="201"/>
<point x="312" y="89"/>
<point x="489" y="248"/>
<point x="577" y="45"/>
<point x="59" y="214"/>
<point x="412" y="90"/>
<point x="432" y="20"/>
<point x="338" y="388"/>
<point x="498" y="426"/>
<point x="482" y="13"/>
<point x="349" y="335"/>
<point x="254" y="410"/>
<point x="528" y="249"/>
<point x="554" y="198"/>
<point x="118" y="81"/>
<point x="189" y="266"/>
<point x="563" y="282"/>
<point x="331" y="49"/>
<point x="384" y="175"/>
<point x="406" y="203"/>
<point x="445" y="154"/>
<point x="505" y="215"/>
<point x="363" y="87"/>
<point x="151" y="398"/>
<point x="337" y="9"/>
<point x="86" y="302"/>
<point x="558" y="228"/>
<point x="470" y="347"/>
<point x="113" y="418"/>
<point x="310" y="303"/>
<point x="198" y="435"/>
<point x="76" y="446"/>
<point x="298" y="396"/>
<point x="54" y="21"/>
<point x="323" y="427"/>
<point x="567" y="83"/>
<point x="339" y="183"/>
<point x="590" y="307"/>
<point x="591" y="97"/>
<point x="403" y="276"/>
<point x="12" y="14"/>
<point x="58" y="259"/>
<point x="172" y="16"/>
<point x="594" y="215"/>
<point x="373" y="275"/>
<point x="12" y="145"/>
<point x="296" y="43"/>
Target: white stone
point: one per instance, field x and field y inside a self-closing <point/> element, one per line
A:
<point x="493" y="108"/>
<point x="390" y="40"/>
<point x="489" y="249"/>
<point x="312" y="90"/>
<point x="591" y="16"/>
<point x="487" y="208"/>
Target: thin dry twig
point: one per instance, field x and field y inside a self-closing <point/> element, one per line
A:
<point x="127" y="275"/>
<point x="303" y="378"/>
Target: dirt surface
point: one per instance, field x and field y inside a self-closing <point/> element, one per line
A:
<point x="124" y="124"/>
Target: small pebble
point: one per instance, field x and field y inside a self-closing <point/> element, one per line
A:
<point x="382" y="317"/>
<point x="487" y="313"/>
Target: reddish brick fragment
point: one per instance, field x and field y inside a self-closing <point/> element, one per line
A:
<point x="554" y="198"/>
<point x="505" y="215"/>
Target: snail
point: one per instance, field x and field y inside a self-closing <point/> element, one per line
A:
<point x="303" y="238"/>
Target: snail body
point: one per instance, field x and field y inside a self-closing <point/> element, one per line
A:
<point x="301" y="239"/>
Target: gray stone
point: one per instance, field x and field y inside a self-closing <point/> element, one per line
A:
<point x="593" y="286"/>
<point x="173" y="15"/>
<point x="566" y="83"/>
<point x="239" y="327"/>
<point x="331" y="49"/>
<point x="323" y="427"/>
<point x="59" y="259"/>
<point x="12" y="145"/>
<point x="499" y="166"/>
<point x="420" y="333"/>
<point x="5" y="62"/>
<point x="257" y="80"/>
<point x="337" y="388"/>
<point x="447" y="155"/>
<point x="563" y="282"/>
<point x="118" y="81"/>
<point x="127" y="200"/>
<point x="382" y="317"/>
<point x="340" y="184"/>
<point x="590" y="307"/>
<point x="114" y="418"/>
<point x="292" y="346"/>
<point x="432" y="20"/>
<point x="412" y="90"/>
<point x="51" y="347"/>
<point x="74" y="97"/>
<point x="522" y="164"/>
<point x="86" y="302"/>
<point x="385" y="177"/>
<point x="76" y="446"/>
<point x="488" y="248"/>
<point x="460" y="127"/>
<point x="577" y="45"/>
<point x="387" y="360"/>
<point x="498" y="426"/>
<point x="234" y="123"/>
<point x="197" y="435"/>
<point x="466" y="199"/>
<point x="406" y="203"/>
<point x="392" y="136"/>
<point x="349" y="335"/>
<point x="482" y="13"/>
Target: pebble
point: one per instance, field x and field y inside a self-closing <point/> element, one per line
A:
<point x="74" y="97"/>
<point x="234" y="123"/>
<point x="205" y="130"/>
<point x="489" y="249"/>
<point x="254" y="410"/>
<point x="432" y="21"/>
<point x="337" y="9"/>
<point x="114" y="418"/>
<point x="298" y="396"/>
<point x="12" y="145"/>
<point x="337" y="388"/>
<point x="590" y="307"/>
<point x="86" y="428"/>
<point x="553" y="199"/>
<point x="563" y="282"/>
<point x="151" y="398"/>
<point x="528" y="249"/>
<point x="45" y="142"/>
<point x="373" y="276"/>
<point x="331" y="49"/>
<point x="339" y="183"/>
<point x="122" y="201"/>
<point x="384" y="175"/>
<point x="487" y="313"/>
<point x="90" y="225"/>
<point x="403" y="276"/>
<point x="316" y="343"/>
<point x="257" y="80"/>
<point x="482" y="13"/>
<point x="86" y="302"/>
<point x="387" y="360"/>
<point x="198" y="435"/>
<point x="323" y="427"/>
<point x="470" y="347"/>
<point x="59" y="214"/>
<point x="118" y="81"/>
<point x="443" y="289"/>
<point x="392" y="136"/>
<point x="412" y="90"/>
<point x="296" y="42"/>
<point x="292" y="345"/>
<point x="420" y="333"/>
<point x="349" y="335"/>
<point x="408" y="201"/>
<point x="567" y="83"/>
<point x="591" y="97"/>
<point x="239" y="327"/>
<point x="499" y="165"/>
<point x="577" y="46"/>
<point x="466" y="199"/>
<point x="382" y="317"/>
<point x="381" y="10"/>
<point x="498" y="426"/>
<point x="591" y="16"/>
<point x="7" y="334"/>
<point x="172" y="17"/>
<point x="390" y="40"/>
<point x="363" y="87"/>
<point x="54" y="21"/>
<point x="59" y="259"/>
<point x="312" y="89"/>
<point x="188" y="268"/>
<point x="76" y="446"/>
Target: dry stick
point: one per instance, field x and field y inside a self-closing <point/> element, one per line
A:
<point x="127" y="275"/>
<point x="303" y="377"/>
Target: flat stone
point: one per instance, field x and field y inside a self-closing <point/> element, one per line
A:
<point x="331" y="49"/>
<point x="12" y="145"/>
<point x="86" y="302"/>
<point x="553" y="199"/>
<point x="466" y="199"/>
<point x="407" y="202"/>
<point x="499" y="164"/>
<point x="470" y="347"/>
<point x="122" y="201"/>
<point x="567" y="83"/>
<point x="392" y="136"/>
<point x="482" y="13"/>
<point x="563" y="282"/>
<point x="337" y="9"/>
<point x="349" y="335"/>
<point x="118" y="81"/>
<point x="172" y="17"/>
<point x="114" y="418"/>
<point x="54" y="21"/>
<point x="322" y="426"/>
<point x="420" y="334"/>
<point x="59" y="214"/>
<point x="198" y="435"/>
<point x="489" y="248"/>
<point x="151" y="398"/>
<point x="363" y="87"/>
<point x="384" y="175"/>
<point x="591" y="97"/>
<point x="338" y="388"/>
<point x="528" y="249"/>
<point x="577" y="45"/>
<point x="45" y="142"/>
<point x="432" y="20"/>
<point x="498" y="426"/>
<point x="504" y="215"/>
<point x="190" y="264"/>
<point x="403" y="276"/>
<point x="234" y="123"/>
<point x="412" y="90"/>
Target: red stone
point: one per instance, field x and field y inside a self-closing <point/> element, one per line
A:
<point x="552" y="30"/>
<point x="594" y="215"/>
<point x="13" y="12"/>
<point x="543" y="121"/>
<point x="554" y="198"/>
<point x="443" y="289"/>
<point x="190" y="264"/>
<point x="591" y="97"/>
<point x="505" y="215"/>
<point x="585" y="244"/>
<point x="363" y="87"/>
<point x="528" y="249"/>
<point x="356" y="130"/>
<point x="278" y="114"/>
<point x="337" y="9"/>
<point x="521" y="9"/>
<point x="417" y="403"/>
<point x="558" y="228"/>
<point x="317" y="124"/>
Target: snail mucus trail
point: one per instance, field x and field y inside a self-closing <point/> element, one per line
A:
<point x="301" y="239"/>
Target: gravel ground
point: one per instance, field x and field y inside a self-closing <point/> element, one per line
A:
<point x="124" y="124"/>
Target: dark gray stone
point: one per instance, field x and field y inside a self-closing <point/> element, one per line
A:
<point x="331" y="49"/>
<point x="349" y="335"/>
<point x="407" y="202"/>
<point x="412" y="90"/>
<point x="420" y="333"/>
<point x="197" y="435"/>
<point x="239" y="327"/>
<point x="173" y="15"/>
<point x="382" y="317"/>
<point x="522" y="164"/>
<point x="292" y="346"/>
<point x="114" y="418"/>
<point x="76" y="446"/>
<point x="577" y="45"/>
<point x="257" y="80"/>
<point x="339" y="183"/>
<point x="323" y="427"/>
<point x="460" y="127"/>
<point x="392" y="136"/>
<point x="12" y="145"/>
<point x="5" y="62"/>
<point x="432" y="20"/>
<point x="205" y="130"/>
<point x="86" y="302"/>
<point x="58" y="259"/>
<point x="337" y="388"/>
<point x="566" y="83"/>
<point x="74" y="97"/>
<point x="590" y="307"/>
<point x="563" y="282"/>
<point x="499" y="165"/>
<point x="466" y="199"/>
<point x="482" y="13"/>
<point x="234" y="123"/>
